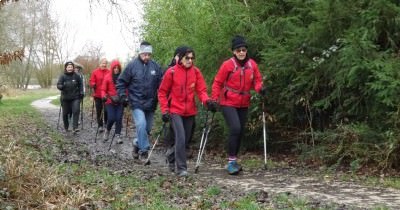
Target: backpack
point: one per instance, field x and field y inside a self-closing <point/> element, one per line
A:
<point x="242" y="73"/>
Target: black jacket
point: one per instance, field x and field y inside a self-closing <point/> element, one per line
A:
<point x="71" y="86"/>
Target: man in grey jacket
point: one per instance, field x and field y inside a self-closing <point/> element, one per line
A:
<point x="141" y="79"/>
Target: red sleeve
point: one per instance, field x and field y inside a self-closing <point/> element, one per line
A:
<point x="164" y="90"/>
<point x="258" y="81"/>
<point x="201" y="87"/>
<point x="219" y="81"/>
<point x="104" y="87"/>
<point x="92" y="80"/>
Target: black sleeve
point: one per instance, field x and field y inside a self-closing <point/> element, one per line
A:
<point x="60" y="83"/>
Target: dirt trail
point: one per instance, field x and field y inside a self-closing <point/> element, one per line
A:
<point x="271" y="181"/>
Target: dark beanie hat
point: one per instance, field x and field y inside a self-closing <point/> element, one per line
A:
<point x="69" y="63"/>
<point x="238" y="41"/>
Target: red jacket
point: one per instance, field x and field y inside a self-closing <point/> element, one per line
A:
<point x="232" y="84"/>
<point x="97" y="78"/>
<point x="178" y="88"/>
<point x="108" y="87"/>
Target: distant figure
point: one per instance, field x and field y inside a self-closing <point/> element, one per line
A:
<point x="141" y="78"/>
<point x="95" y="82"/>
<point x="71" y="87"/>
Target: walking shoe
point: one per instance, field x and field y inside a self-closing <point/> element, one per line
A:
<point x="183" y="174"/>
<point x="238" y="166"/>
<point x="143" y="156"/>
<point x="101" y="129"/>
<point x="119" y="139"/>
<point x="232" y="168"/>
<point x="106" y="135"/>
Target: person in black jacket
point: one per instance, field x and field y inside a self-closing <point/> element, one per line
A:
<point x="141" y="79"/>
<point x="71" y="87"/>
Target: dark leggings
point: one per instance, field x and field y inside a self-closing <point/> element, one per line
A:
<point x="71" y="108"/>
<point x="99" y="108"/>
<point x="236" y="119"/>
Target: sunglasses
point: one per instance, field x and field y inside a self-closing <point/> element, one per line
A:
<point x="189" y="58"/>
<point x="241" y="50"/>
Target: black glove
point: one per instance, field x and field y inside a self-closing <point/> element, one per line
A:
<point x="211" y="105"/>
<point x="115" y="99"/>
<point x="166" y="117"/>
<point x="263" y="91"/>
<point x="104" y="99"/>
<point x="124" y="100"/>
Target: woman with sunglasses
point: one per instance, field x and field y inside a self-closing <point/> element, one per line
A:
<point x="177" y="103"/>
<point x="231" y="88"/>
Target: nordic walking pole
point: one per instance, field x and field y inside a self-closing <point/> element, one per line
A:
<point x="265" y="137"/>
<point x="147" y="162"/>
<point x="203" y="141"/>
<point x="91" y="122"/>
<point x="59" y="115"/>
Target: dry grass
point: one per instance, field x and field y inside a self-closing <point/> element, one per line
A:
<point x="27" y="181"/>
<point x="33" y="184"/>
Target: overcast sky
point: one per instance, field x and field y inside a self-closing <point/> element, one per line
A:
<point x="94" y="25"/>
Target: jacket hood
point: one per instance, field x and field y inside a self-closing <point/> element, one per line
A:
<point x="115" y="63"/>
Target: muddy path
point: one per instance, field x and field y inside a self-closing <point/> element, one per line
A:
<point x="346" y="195"/>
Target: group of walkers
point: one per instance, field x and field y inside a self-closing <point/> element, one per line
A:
<point x="143" y="84"/>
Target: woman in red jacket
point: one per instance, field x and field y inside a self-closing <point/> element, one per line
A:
<point x="112" y="101"/>
<point x="231" y="88"/>
<point x="177" y="102"/>
<point x="95" y="82"/>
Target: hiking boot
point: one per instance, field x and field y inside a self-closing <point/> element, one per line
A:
<point x="233" y="168"/>
<point x="106" y="135"/>
<point x="143" y="156"/>
<point x="183" y="173"/>
<point x="171" y="167"/>
<point x="119" y="139"/>
<point x="101" y="129"/>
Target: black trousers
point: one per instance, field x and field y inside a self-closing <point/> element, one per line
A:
<point x="100" y="108"/>
<point x="71" y="108"/>
<point x="235" y="119"/>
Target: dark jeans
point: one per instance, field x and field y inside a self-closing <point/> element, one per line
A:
<point x="114" y="114"/>
<point x="70" y="108"/>
<point x="99" y="108"/>
<point x="235" y="119"/>
<point x="182" y="127"/>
